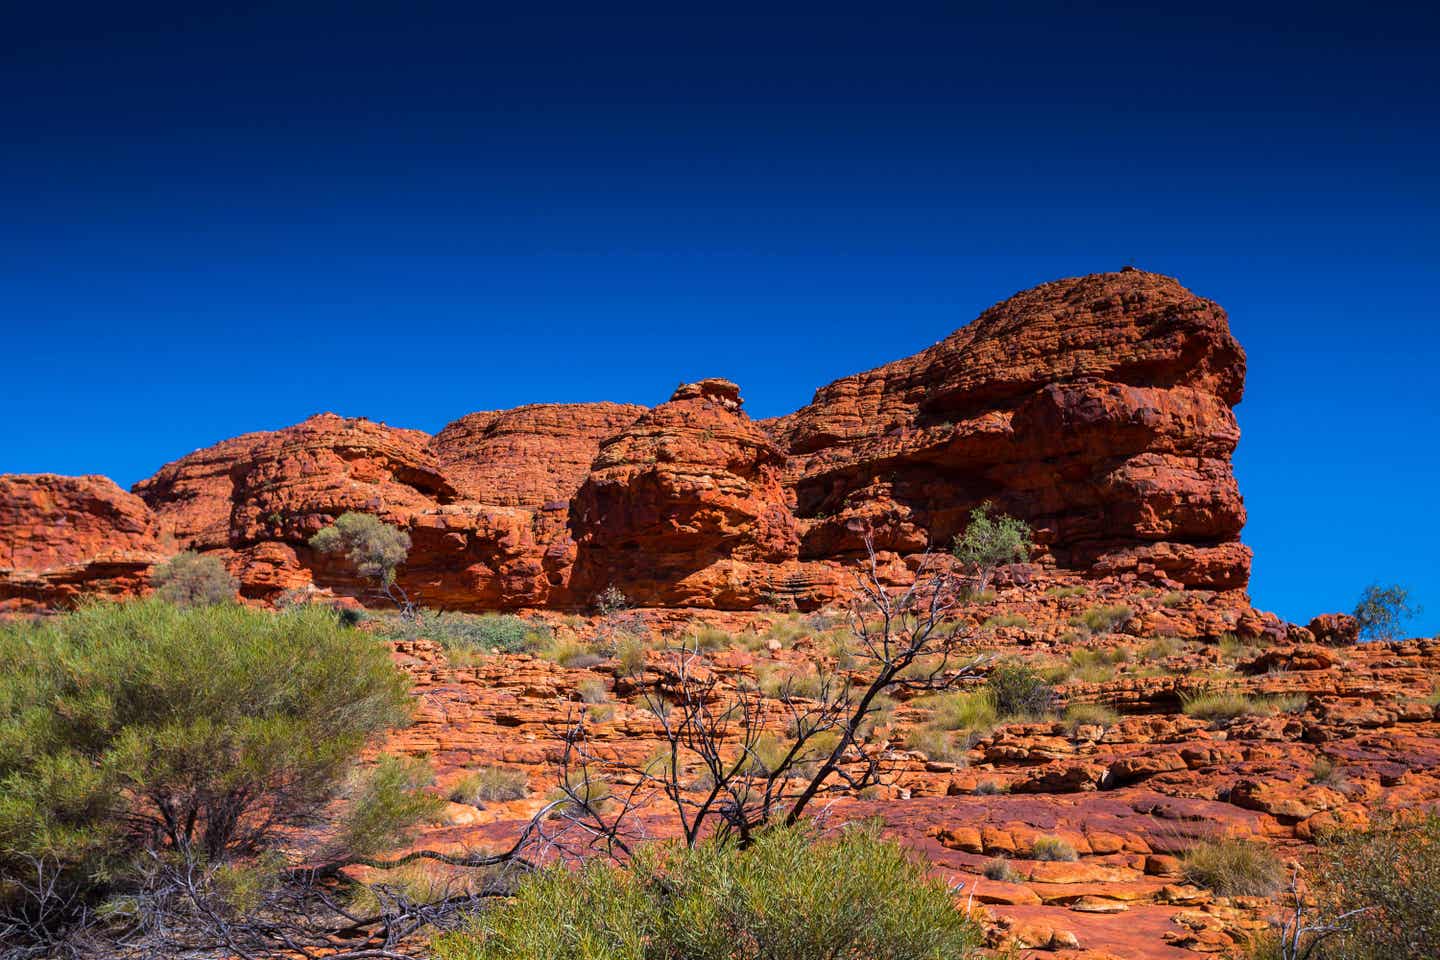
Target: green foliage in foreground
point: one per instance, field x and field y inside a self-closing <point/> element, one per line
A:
<point x="853" y="896"/>
<point x="202" y="732"/>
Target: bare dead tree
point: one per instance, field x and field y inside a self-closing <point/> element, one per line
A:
<point x="714" y="773"/>
<point x="1301" y="936"/>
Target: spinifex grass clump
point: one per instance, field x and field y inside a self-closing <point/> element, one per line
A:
<point x="790" y="894"/>
<point x="1233" y="867"/>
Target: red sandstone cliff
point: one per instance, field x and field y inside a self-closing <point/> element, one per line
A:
<point x="1099" y="409"/>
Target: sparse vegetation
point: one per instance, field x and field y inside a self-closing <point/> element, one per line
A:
<point x="1382" y="611"/>
<point x="1061" y="593"/>
<point x="1000" y="870"/>
<point x="192" y="579"/>
<point x="490" y="784"/>
<point x="374" y="548"/>
<point x="592" y="690"/>
<point x="1052" y="848"/>
<point x="1005" y="620"/>
<point x="937" y="744"/>
<point x="1230" y="704"/>
<point x="1019" y="692"/>
<point x="1103" y="619"/>
<point x="1175" y="598"/>
<point x="972" y="710"/>
<point x="852" y="896"/>
<point x="1079" y="715"/>
<point x="1233" y="867"/>
<point x="990" y="541"/>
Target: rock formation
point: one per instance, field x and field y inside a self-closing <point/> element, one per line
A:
<point x="1098" y="409"/>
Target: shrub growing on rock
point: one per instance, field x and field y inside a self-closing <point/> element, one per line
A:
<point x="1233" y="867"/>
<point x="490" y="784"/>
<point x="791" y="894"/>
<point x="1382" y="611"/>
<point x="990" y="541"/>
<point x="1052" y="848"/>
<point x="1019" y="692"/>
<point x="192" y="579"/>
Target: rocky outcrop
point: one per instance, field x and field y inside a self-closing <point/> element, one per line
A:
<point x="1098" y="409"/>
<point x="682" y="506"/>
<point x="62" y="538"/>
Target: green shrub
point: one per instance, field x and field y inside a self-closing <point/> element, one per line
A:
<point x="791" y="895"/>
<point x="387" y="801"/>
<point x="123" y="725"/>
<point x="374" y="548"/>
<point x="989" y="541"/>
<point x="1392" y="870"/>
<point x="490" y="785"/>
<point x="192" y="579"/>
<point x="1052" y="848"/>
<point x="1063" y="592"/>
<point x="630" y="656"/>
<point x="1382" y="610"/>
<point x="481" y="633"/>
<point x="1018" y="691"/>
<point x="1233" y="868"/>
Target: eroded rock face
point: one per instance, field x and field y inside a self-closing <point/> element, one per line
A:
<point x="681" y="504"/>
<point x="1098" y="409"/>
<point x="64" y="537"/>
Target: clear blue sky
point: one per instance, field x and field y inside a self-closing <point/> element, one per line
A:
<point x="213" y="222"/>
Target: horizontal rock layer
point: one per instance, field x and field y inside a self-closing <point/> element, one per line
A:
<point x="1098" y="409"/>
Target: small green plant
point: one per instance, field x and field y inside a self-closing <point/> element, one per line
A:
<point x="1161" y="648"/>
<point x="490" y="784"/>
<point x="1232" y="867"/>
<point x="1061" y="593"/>
<point x="1175" y="598"/>
<point x="1052" y="848"/>
<point x="971" y="710"/>
<point x="1019" y="692"/>
<point x="708" y="639"/>
<point x="1004" y="620"/>
<point x="1382" y="611"/>
<point x="630" y="656"/>
<point x="990" y="788"/>
<point x="788" y="683"/>
<point x="936" y="744"/>
<point x="192" y="579"/>
<point x="1079" y="715"/>
<point x="585" y="789"/>
<point x="1103" y="619"/>
<point x="1326" y="772"/>
<point x="990" y="541"/>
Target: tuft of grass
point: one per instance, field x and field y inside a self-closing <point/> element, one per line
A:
<point x="1326" y="772"/>
<point x="1103" y="619"/>
<point x="1019" y="692"/>
<point x="1161" y="648"/>
<point x="630" y="656"/>
<point x="999" y="870"/>
<point x="1230" y="704"/>
<point x="1004" y="620"/>
<point x="488" y="785"/>
<point x="788" y="683"/>
<point x="1091" y="665"/>
<point x="1052" y="848"/>
<point x="972" y="710"/>
<point x="708" y="639"/>
<point x="1173" y="599"/>
<point x="1233" y="868"/>
<point x="1088" y="714"/>
<point x="592" y="791"/>
<point x="592" y="690"/>
<point x="1063" y="592"/>
<point x="991" y="788"/>
<point x="942" y="746"/>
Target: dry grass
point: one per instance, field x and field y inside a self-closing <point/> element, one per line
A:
<point x="1234" y="868"/>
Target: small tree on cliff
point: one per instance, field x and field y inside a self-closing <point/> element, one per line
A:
<point x="1382" y="610"/>
<point x="991" y="541"/>
<point x="374" y="549"/>
<point x="192" y="579"/>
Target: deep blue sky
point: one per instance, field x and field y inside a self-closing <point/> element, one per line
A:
<point x="217" y="221"/>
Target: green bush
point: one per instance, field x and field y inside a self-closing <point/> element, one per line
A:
<point x="124" y="726"/>
<point x="989" y="541"/>
<point x="490" y="784"/>
<point x="1233" y="868"/>
<point x="1394" y="870"/>
<point x="1018" y="691"/>
<point x="792" y="895"/>
<point x="480" y="633"/>
<point x="1230" y="704"/>
<point x="192" y="579"/>
<point x="374" y="548"/>
<point x="1052" y="848"/>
